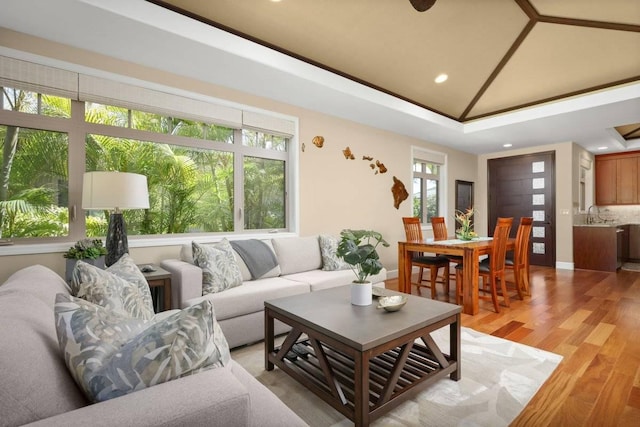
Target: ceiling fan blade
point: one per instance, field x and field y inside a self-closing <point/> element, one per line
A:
<point x="422" y="5"/>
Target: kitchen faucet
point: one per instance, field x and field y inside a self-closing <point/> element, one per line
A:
<point x="590" y="218"/>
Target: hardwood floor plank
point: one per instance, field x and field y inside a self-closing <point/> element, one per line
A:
<point x="612" y="400"/>
<point x="600" y="334"/>
<point x="576" y="319"/>
<point x="592" y="319"/>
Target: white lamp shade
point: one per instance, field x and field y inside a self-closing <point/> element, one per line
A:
<point x="114" y="190"/>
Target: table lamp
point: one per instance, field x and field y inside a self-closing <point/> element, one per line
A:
<point x="115" y="191"/>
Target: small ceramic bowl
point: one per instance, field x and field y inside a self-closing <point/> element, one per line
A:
<point x="392" y="303"/>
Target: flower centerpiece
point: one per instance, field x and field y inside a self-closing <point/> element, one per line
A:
<point x="465" y="231"/>
<point x="358" y="249"/>
<point x="91" y="251"/>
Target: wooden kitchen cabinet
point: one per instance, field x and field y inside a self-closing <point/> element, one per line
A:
<point x="606" y="181"/>
<point x="618" y="179"/>
<point x="602" y="248"/>
<point x="627" y="180"/>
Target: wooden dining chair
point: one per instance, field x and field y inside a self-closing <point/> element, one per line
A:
<point x="413" y="231"/>
<point x="520" y="262"/>
<point x="439" y="227"/>
<point x="492" y="269"/>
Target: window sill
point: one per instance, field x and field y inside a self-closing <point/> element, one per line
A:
<point x="148" y="242"/>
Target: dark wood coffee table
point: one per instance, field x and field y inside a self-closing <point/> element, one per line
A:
<point x="363" y="361"/>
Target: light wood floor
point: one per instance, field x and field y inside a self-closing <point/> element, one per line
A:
<point x="592" y="319"/>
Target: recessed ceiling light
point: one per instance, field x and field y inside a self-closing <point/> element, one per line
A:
<point x="508" y="145"/>
<point x="441" y="78"/>
<point x="602" y="148"/>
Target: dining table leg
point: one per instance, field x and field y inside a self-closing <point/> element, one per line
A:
<point x="470" y="261"/>
<point x="404" y="276"/>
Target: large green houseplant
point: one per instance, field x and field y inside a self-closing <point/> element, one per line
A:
<point x="358" y="249"/>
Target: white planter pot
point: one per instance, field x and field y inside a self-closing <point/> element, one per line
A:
<point x="361" y="293"/>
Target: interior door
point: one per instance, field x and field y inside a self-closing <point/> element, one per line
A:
<point x="525" y="186"/>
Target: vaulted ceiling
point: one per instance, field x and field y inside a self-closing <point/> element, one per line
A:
<point x="524" y="72"/>
<point x="499" y="55"/>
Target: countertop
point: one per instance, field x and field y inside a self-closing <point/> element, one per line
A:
<point x="606" y="224"/>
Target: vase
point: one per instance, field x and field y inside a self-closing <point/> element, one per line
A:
<point x="464" y="236"/>
<point x="71" y="264"/>
<point x="361" y="293"/>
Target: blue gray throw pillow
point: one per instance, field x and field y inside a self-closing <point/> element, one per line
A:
<point x="110" y="354"/>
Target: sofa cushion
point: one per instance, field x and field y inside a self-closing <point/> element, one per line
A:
<point x="250" y="297"/>
<point x="110" y="354"/>
<point x="35" y="383"/>
<point x="330" y="260"/>
<point x="219" y="268"/>
<point x="319" y="279"/>
<point x="297" y="254"/>
<point x="41" y="282"/>
<point x="109" y="290"/>
<point x="186" y="255"/>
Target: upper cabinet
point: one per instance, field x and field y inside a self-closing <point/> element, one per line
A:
<point x="617" y="179"/>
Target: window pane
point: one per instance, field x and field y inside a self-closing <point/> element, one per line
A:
<point x="262" y="140"/>
<point x="34" y="204"/>
<point x="106" y="114"/>
<point x="264" y="193"/>
<point x="432" y="195"/>
<point x="190" y="190"/>
<point x="34" y="103"/>
<point x="55" y="106"/>
<point x="417" y="198"/>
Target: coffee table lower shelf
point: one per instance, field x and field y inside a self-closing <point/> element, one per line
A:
<point x="421" y="367"/>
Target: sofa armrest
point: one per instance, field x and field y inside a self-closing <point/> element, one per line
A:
<point x="186" y="281"/>
<point x="213" y="398"/>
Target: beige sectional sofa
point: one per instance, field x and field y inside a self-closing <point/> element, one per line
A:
<point x="240" y="310"/>
<point x="37" y="389"/>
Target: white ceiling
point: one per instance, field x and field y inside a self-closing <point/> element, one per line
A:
<point x="142" y="33"/>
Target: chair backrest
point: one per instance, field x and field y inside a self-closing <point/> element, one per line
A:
<point x="499" y="244"/>
<point x="521" y="251"/>
<point x="439" y="228"/>
<point x="412" y="228"/>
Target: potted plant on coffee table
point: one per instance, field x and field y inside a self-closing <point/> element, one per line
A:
<point x="358" y="249"/>
<point x="91" y="251"/>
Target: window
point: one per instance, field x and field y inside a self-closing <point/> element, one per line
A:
<point x="203" y="177"/>
<point x="426" y="190"/>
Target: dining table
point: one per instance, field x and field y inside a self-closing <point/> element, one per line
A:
<point x="470" y="252"/>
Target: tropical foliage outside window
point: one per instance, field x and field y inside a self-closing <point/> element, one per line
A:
<point x="426" y="190"/>
<point x="191" y="168"/>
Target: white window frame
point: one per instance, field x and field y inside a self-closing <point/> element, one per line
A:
<point x="250" y="118"/>
<point x="439" y="158"/>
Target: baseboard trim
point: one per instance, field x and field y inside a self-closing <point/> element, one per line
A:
<point x="564" y="265"/>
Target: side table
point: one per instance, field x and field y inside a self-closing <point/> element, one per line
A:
<point x="160" y="284"/>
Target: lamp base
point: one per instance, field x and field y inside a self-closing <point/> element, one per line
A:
<point x="116" y="244"/>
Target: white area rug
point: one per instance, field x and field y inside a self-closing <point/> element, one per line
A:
<point x="499" y="378"/>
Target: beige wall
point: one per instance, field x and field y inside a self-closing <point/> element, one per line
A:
<point x="564" y="158"/>
<point x="335" y="193"/>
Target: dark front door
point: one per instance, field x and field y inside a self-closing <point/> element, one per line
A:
<point x="525" y="186"/>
